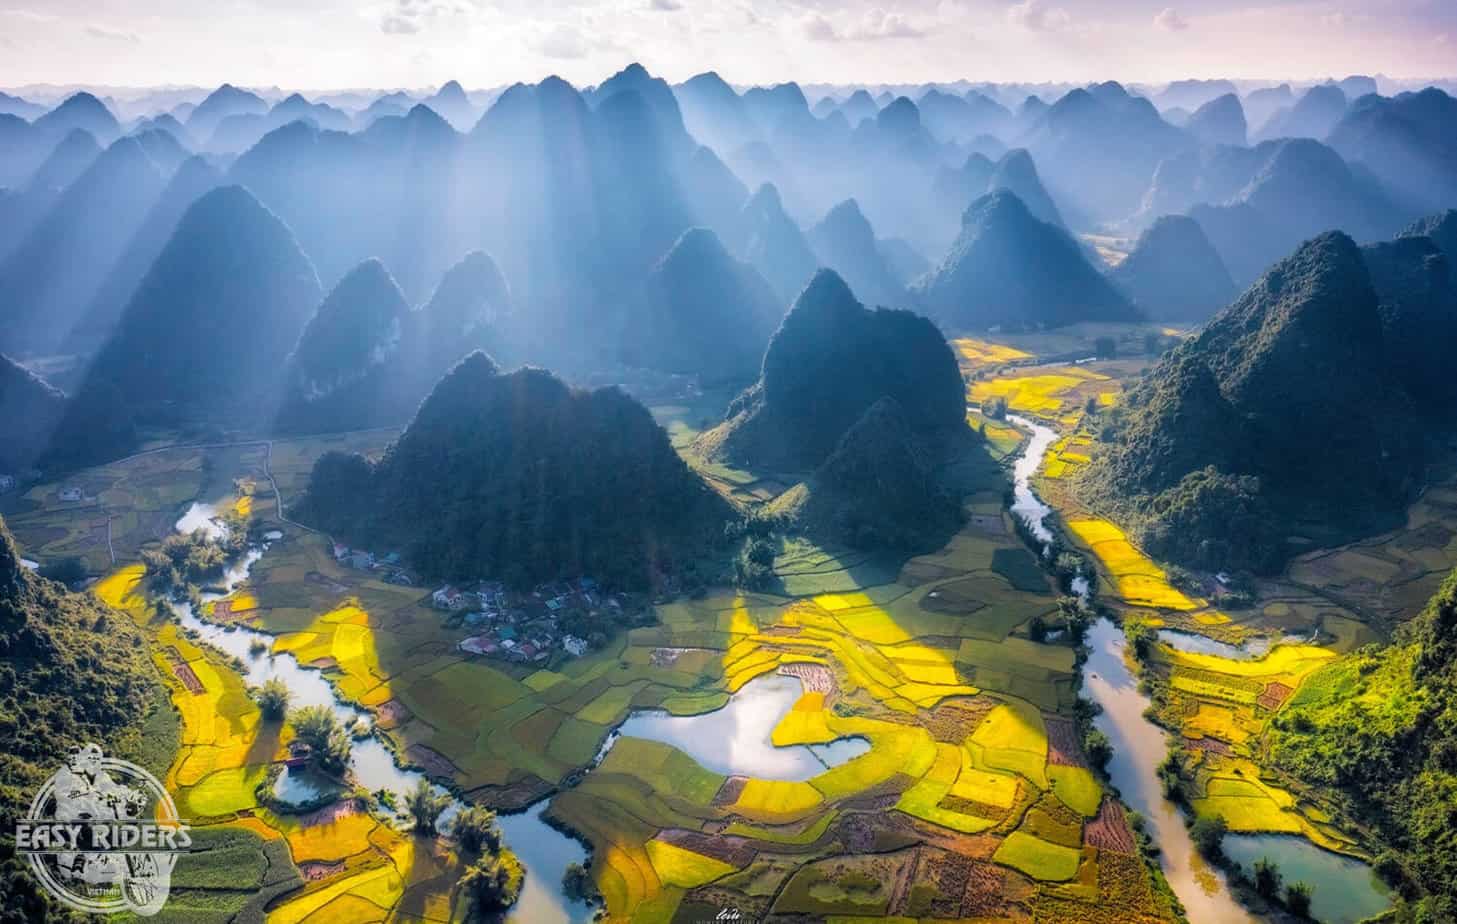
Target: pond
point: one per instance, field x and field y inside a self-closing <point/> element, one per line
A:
<point x="735" y="739"/>
<point x="1345" y="889"/>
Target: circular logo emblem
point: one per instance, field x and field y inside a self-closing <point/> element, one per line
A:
<point x="102" y="836"/>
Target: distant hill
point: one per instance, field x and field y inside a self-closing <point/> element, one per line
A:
<point x="345" y="372"/>
<point x="195" y="177"/>
<point x="1219" y="121"/>
<point x="50" y="278"/>
<point x="876" y="490"/>
<point x="845" y="242"/>
<point x="81" y="669"/>
<point x="1312" y="116"/>
<point x="32" y="410"/>
<point x="21" y="209"/>
<point x="1441" y="228"/>
<point x="773" y="243"/>
<point x="1213" y="463"/>
<point x="1008" y="268"/>
<point x="80" y="110"/>
<point x="1174" y="273"/>
<point x="366" y="359"/>
<point x="1296" y="189"/>
<point x="831" y="359"/>
<point x="1408" y="141"/>
<point x="206" y="334"/>
<point x="227" y="100"/>
<point x="701" y="312"/>
<point x="518" y="477"/>
<point x="1016" y="172"/>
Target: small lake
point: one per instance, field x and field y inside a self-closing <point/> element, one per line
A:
<point x="1252" y="650"/>
<point x="735" y="740"/>
<point x="1345" y="890"/>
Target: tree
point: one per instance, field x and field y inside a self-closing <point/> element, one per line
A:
<point x="1208" y="835"/>
<point x="424" y="806"/>
<point x="1098" y="748"/>
<point x="273" y="699"/>
<point x="1105" y="348"/>
<point x="995" y="408"/>
<point x="329" y="744"/>
<point x="475" y="829"/>
<point x="491" y="884"/>
<point x="1267" y="878"/>
<point x="577" y="883"/>
<point x="1037" y="629"/>
<point x="1297" y="899"/>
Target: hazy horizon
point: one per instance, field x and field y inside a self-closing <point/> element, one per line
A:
<point x="423" y="43"/>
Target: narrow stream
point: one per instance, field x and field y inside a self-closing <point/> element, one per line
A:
<point x="1345" y="890"/>
<point x="1138" y="744"/>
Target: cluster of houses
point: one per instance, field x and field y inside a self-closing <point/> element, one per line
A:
<point x="528" y="627"/>
<point x="387" y="567"/>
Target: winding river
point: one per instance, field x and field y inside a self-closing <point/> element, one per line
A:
<point x="1345" y="890"/>
<point x="544" y="851"/>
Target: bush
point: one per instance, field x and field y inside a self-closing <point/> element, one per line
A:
<point x="491" y="884"/>
<point x="1098" y="748"/>
<point x="1267" y="878"/>
<point x="68" y="570"/>
<point x="1208" y="835"/>
<point x="994" y="408"/>
<point x="328" y="742"/>
<point x="475" y="829"/>
<point x="424" y="806"/>
<point x="1297" y="899"/>
<point x="273" y="699"/>
<point x="577" y="883"/>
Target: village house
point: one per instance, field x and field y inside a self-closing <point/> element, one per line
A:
<point x="7" y="483"/>
<point x="450" y="598"/>
<point x="71" y="495"/>
<point x="576" y="647"/>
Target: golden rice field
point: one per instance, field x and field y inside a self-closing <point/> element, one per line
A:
<point x="929" y="664"/>
<point x="1056" y="394"/>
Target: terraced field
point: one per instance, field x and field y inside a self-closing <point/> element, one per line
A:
<point x="973" y="798"/>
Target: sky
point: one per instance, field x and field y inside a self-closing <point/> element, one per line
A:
<point x="335" y="44"/>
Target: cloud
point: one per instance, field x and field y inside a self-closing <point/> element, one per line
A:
<point x="113" y="35"/>
<point x="1036" y="16"/>
<point x="563" y="41"/>
<point x="875" y="25"/>
<point x="29" y="15"/>
<point x="666" y="6"/>
<point x="408" y="17"/>
<point x="1169" y="20"/>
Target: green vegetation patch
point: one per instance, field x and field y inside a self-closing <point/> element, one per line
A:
<point x="1020" y="569"/>
<point x="1038" y="858"/>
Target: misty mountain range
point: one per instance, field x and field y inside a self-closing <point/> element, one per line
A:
<point x="642" y="224"/>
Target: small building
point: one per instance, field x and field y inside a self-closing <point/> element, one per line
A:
<point x="341" y="551"/>
<point x="7" y="483"/>
<point x="479" y="645"/>
<point x="361" y="561"/>
<point x="576" y="647"/>
<point x="446" y="598"/>
<point x="71" y="495"/>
